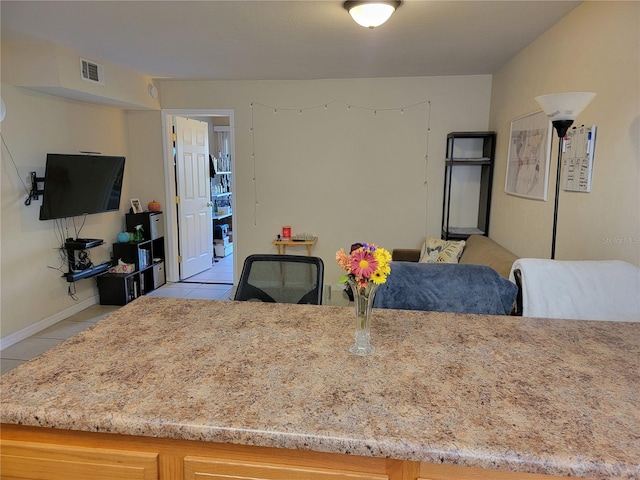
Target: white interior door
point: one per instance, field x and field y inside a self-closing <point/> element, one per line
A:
<point x="193" y="188"/>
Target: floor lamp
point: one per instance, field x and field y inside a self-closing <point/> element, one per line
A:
<point x="562" y="109"/>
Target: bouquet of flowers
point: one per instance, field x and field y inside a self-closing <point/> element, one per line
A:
<point x="365" y="264"/>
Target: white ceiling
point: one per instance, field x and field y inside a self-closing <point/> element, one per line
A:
<point x="280" y="40"/>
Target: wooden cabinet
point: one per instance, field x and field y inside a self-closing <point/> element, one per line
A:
<point x="430" y="471"/>
<point x="468" y="178"/>
<point x="198" y="468"/>
<point x="29" y="460"/>
<point x="34" y="453"/>
<point x="144" y="458"/>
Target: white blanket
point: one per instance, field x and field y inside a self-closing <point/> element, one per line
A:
<point x="585" y="290"/>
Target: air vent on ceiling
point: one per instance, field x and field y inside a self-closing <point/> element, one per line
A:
<point x="91" y="71"/>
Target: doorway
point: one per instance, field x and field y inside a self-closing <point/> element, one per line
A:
<point x="215" y="119"/>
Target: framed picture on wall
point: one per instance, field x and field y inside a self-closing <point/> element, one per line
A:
<point x="528" y="159"/>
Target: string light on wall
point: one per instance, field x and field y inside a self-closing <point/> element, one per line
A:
<point x="425" y="184"/>
<point x="253" y="178"/>
<point x="325" y="106"/>
<point x="349" y="106"/>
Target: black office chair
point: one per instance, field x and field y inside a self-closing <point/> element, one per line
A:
<point x="281" y="279"/>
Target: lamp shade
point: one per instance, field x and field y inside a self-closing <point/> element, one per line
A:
<point x="371" y="14"/>
<point x="565" y="106"/>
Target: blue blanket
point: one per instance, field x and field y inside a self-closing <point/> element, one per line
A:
<point x="446" y="287"/>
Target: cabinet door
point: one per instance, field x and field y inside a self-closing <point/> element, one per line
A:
<point x="31" y="461"/>
<point x="431" y="471"/>
<point x="198" y="468"/>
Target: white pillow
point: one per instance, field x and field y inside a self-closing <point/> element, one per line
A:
<point x="435" y="250"/>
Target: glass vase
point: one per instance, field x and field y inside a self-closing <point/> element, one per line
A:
<point x="363" y="302"/>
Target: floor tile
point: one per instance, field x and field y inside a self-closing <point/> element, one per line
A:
<point x="170" y="292"/>
<point x="29" y="348"/>
<point x="93" y="314"/>
<point x="7" y="364"/>
<point x="177" y="287"/>
<point x="220" y="272"/>
<point x="211" y="292"/>
<point x="213" y="286"/>
<point x="64" y="329"/>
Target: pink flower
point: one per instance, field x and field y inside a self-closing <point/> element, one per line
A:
<point x="363" y="263"/>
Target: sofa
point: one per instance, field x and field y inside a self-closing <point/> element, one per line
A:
<point x="479" y="250"/>
<point x="475" y="281"/>
<point x="573" y="289"/>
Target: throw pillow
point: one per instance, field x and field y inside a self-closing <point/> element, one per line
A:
<point x="435" y="250"/>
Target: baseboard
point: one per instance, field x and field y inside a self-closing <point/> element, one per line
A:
<point x="47" y="322"/>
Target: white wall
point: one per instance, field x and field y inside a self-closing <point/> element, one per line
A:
<point x="37" y="124"/>
<point x="147" y="165"/>
<point x="55" y="69"/>
<point x="595" y="48"/>
<point x="346" y="175"/>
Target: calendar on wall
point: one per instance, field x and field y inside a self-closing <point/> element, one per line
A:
<point x="577" y="159"/>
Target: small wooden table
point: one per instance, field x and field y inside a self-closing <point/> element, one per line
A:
<point x="284" y="243"/>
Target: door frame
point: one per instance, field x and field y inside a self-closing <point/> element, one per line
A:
<point x="171" y="218"/>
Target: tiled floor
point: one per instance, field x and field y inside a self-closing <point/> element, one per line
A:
<point x="203" y="291"/>
<point x="218" y="286"/>
<point x="33" y="346"/>
<point x="220" y="272"/>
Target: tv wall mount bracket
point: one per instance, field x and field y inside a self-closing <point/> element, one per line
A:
<point x="35" y="191"/>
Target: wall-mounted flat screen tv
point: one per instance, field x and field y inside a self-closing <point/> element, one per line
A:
<point x="81" y="184"/>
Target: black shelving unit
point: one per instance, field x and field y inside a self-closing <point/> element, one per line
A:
<point x="475" y="150"/>
<point x="147" y="256"/>
<point x="119" y="288"/>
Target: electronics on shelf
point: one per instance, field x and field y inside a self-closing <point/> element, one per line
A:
<point x="79" y="243"/>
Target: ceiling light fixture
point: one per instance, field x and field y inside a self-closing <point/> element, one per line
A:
<point x="371" y="14"/>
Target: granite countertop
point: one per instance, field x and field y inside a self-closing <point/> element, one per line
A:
<point x="531" y="395"/>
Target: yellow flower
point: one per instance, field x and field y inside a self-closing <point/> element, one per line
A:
<point x="382" y="255"/>
<point x="385" y="269"/>
<point x="378" y="278"/>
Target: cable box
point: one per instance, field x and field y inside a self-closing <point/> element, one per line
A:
<point x="83" y="242"/>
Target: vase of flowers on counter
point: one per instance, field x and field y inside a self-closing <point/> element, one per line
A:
<point x="366" y="266"/>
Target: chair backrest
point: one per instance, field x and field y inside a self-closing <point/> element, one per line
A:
<point x="281" y="279"/>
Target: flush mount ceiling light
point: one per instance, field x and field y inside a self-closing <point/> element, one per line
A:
<point x="371" y="14"/>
